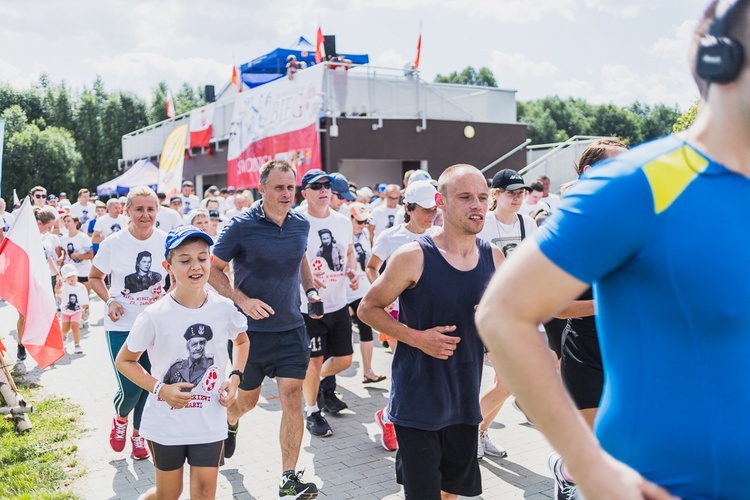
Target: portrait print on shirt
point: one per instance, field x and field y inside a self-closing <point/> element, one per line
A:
<point x="73" y="304"/>
<point x="361" y="254"/>
<point x="193" y="368"/>
<point x="333" y="253"/>
<point x="70" y="251"/>
<point x="391" y="219"/>
<point x="143" y="278"/>
<point x="115" y="227"/>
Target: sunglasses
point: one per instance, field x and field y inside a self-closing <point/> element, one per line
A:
<point x="317" y="186"/>
<point x="360" y="222"/>
<point x="340" y="197"/>
<point x="37" y="196"/>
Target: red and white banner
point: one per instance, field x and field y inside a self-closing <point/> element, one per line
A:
<point x="201" y="126"/>
<point x="277" y="120"/>
<point x="25" y="284"/>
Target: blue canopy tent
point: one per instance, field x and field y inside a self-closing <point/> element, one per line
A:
<point x="143" y="172"/>
<point x="272" y="66"/>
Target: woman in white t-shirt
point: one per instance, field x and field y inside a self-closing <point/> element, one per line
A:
<point x="132" y="257"/>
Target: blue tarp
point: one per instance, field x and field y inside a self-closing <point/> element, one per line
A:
<point x="272" y="66"/>
<point x="142" y="172"/>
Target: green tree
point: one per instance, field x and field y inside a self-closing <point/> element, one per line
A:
<point x="188" y="98"/>
<point x="687" y="118"/>
<point x="158" y="110"/>
<point x="15" y="120"/>
<point x="655" y="122"/>
<point x="89" y="135"/>
<point x="122" y="113"/>
<point x="45" y="157"/>
<point x="29" y="100"/>
<point x="469" y="76"/>
<point x="57" y="106"/>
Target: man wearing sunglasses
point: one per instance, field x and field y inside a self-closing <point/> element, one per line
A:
<point x="341" y="194"/>
<point x="331" y="335"/>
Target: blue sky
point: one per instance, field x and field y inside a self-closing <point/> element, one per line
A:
<point x="599" y="50"/>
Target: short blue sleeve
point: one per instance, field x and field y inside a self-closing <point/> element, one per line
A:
<point x="603" y="221"/>
<point x="229" y="244"/>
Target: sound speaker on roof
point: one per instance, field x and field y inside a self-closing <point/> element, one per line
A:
<point x="210" y="93"/>
<point x="330" y="45"/>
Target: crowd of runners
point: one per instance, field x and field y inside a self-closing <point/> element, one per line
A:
<point x="205" y="299"/>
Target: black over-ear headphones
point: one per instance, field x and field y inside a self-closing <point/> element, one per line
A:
<point x="720" y="57"/>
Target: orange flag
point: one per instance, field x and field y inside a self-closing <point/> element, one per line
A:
<point x="236" y="79"/>
<point x="419" y="51"/>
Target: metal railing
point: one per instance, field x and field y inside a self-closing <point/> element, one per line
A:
<point x="507" y="155"/>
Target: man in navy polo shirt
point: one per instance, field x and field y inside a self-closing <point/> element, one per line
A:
<point x="267" y="246"/>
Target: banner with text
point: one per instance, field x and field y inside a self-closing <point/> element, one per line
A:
<point x="172" y="160"/>
<point x="277" y="120"/>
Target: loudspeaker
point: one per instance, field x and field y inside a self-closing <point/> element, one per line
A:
<point x="719" y="58"/>
<point x="329" y="45"/>
<point x="210" y="93"/>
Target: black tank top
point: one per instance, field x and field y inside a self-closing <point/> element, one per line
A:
<point x="428" y="393"/>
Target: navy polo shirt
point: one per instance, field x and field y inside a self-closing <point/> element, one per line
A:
<point x="267" y="259"/>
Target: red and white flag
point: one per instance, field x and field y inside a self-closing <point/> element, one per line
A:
<point x="419" y="50"/>
<point x="170" y="105"/>
<point x="236" y="79"/>
<point x="25" y="283"/>
<point x="201" y="126"/>
<point x="320" y="49"/>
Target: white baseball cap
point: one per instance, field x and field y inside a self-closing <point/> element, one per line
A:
<point x="419" y="175"/>
<point x="68" y="270"/>
<point x="422" y="193"/>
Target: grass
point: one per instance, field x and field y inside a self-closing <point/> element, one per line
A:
<point x="41" y="463"/>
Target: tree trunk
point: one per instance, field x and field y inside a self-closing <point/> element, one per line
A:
<point x="9" y="394"/>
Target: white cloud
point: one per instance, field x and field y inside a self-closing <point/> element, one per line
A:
<point x="14" y="76"/>
<point x="618" y="8"/>
<point x="676" y="47"/>
<point x="574" y="88"/>
<point x="515" y="11"/>
<point x="517" y="64"/>
<point x="390" y="59"/>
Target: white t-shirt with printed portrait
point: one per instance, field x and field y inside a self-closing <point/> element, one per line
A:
<point x="187" y="345"/>
<point x="362" y="253"/>
<point x="73" y="297"/>
<point x="137" y="273"/>
<point x="327" y="245"/>
<point x="84" y="212"/>
<point x="80" y="243"/>
<point x="107" y="225"/>
<point x="383" y="218"/>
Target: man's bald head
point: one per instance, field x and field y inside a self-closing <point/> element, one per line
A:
<point x="455" y="171"/>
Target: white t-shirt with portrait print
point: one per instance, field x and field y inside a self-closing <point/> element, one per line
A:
<point x="7" y="220"/>
<point x="84" y="212"/>
<point x="327" y="245"/>
<point x="169" y="332"/>
<point x="506" y="236"/>
<point x="383" y="218"/>
<point x="107" y="225"/>
<point x="80" y="243"/>
<point x="137" y="279"/>
<point x="73" y="297"/>
<point x="362" y="253"/>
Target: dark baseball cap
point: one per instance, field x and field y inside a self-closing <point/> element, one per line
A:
<point x="314" y="175"/>
<point x="177" y="236"/>
<point x="509" y="179"/>
<point x="340" y="185"/>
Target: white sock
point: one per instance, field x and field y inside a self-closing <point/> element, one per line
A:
<point x="386" y="420"/>
<point x="311" y="409"/>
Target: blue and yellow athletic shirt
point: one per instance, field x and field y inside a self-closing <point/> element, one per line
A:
<point x="663" y="233"/>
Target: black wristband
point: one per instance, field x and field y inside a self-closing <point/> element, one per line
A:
<point x="238" y="373"/>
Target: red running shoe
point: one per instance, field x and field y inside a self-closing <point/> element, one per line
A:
<point x="117" y="433"/>
<point x="140" y="452"/>
<point x="388" y="437"/>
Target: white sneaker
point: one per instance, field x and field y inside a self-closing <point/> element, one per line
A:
<point x="78" y="349"/>
<point x="488" y="447"/>
<point x="480" y="446"/>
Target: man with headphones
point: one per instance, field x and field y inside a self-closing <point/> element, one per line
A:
<point x="672" y="282"/>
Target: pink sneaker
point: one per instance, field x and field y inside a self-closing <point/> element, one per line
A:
<point x="388" y="437"/>
<point x="117" y="433"/>
<point x="140" y="452"/>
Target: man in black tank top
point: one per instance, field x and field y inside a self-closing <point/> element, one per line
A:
<point x="437" y="366"/>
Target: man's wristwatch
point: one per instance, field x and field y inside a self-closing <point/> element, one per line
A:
<point x="238" y="373"/>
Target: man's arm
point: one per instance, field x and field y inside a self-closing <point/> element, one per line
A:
<point x="372" y="270"/>
<point x="577" y="309"/>
<point x="97" y="237"/>
<point x="507" y="318"/>
<point x="403" y="271"/>
<point x="255" y="308"/>
<point x="351" y="268"/>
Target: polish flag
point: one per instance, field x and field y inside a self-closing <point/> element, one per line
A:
<point x="170" y="105"/>
<point x="201" y="126"/>
<point x="320" y="51"/>
<point x="25" y="283"/>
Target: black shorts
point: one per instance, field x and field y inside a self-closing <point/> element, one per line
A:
<point x="428" y="462"/>
<point x="330" y="335"/>
<point x="276" y="354"/>
<point x="83" y="279"/>
<point x="554" y="329"/>
<point x="168" y="458"/>
<point x="581" y="368"/>
<point x="365" y="330"/>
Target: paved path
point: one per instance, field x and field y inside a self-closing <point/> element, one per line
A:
<point x="350" y="464"/>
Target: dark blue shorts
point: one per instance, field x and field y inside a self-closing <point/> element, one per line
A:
<point x="276" y="354"/>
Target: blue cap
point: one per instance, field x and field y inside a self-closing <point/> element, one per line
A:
<point x="314" y="175"/>
<point x="177" y="236"/>
<point x="340" y="185"/>
<point x="381" y="188"/>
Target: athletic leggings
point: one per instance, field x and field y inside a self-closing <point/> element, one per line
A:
<point x="129" y="397"/>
